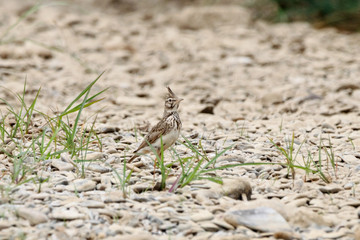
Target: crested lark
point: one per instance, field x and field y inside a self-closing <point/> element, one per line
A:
<point x="168" y="129"/>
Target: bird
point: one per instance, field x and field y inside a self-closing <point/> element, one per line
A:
<point x="166" y="131"/>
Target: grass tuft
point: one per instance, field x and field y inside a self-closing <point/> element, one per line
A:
<point x="309" y="164"/>
<point x="26" y="144"/>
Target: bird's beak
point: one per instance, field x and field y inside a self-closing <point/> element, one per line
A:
<point x="179" y="100"/>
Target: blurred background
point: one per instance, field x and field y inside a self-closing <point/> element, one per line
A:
<point x="341" y="14"/>
<point x="229" y="51"/>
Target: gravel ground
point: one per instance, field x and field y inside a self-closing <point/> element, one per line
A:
<point x="249" y="85"/>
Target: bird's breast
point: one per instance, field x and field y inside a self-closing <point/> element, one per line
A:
<point x="168" y="139"/>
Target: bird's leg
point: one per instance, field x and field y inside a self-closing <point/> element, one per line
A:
<point x="158" y="152"/>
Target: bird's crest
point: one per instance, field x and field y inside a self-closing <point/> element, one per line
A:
<point x="170" y="94"/>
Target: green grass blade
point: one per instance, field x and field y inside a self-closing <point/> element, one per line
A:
<point x="217" y="156"/>
<point x="86" y="90"/>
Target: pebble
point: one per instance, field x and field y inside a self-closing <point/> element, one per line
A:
<point x="202" y="216"/>
<point x="235" y="188"/>
<point x="166" y="226"/>
<point x="5" y="224"/>
<point x="143" y="236"/>
<point x="61" y="165"/>
<point x="350" y="159"/>
<point x="353" y="203"/>
<point x="209" y="226"/>
<point x="143" y="187"/>
<point x="105" y="182"/>
<point x="111" y="150"/>
<point x="357" y="233"/>
<point x="94" y="156"/>
<point x="262" y="219"/>
<point x="32" y="215"/>
<point x="113" y="197"/>
<point x="223" y="224"/>
<point x="349" y="186"/>
<point x="330" y="189"/>
<point x="304" y="217"/>
<point x="98" y="168"/>
<point x="66" y="214"/>
<point x="92" y="204"/>
<point x="108" y="129"/>
<point x="204" y="196"/>
<point x="81" y="185"/>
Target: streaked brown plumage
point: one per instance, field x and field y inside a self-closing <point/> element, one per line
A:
<point x="168" y="128"/>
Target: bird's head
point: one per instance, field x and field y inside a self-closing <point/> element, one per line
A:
<point x="172" y="102"/>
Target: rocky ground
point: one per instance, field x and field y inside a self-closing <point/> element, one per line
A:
<point x="245" y="84"/>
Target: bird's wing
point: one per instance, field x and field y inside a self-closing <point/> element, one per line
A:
<point x="155" y="133"/>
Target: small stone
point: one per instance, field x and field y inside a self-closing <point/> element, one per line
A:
<point x="357" y="233"/>
<point x="208" y="109"/>
<point x="327" y="126"/>
<point x="221" y="223"/>
<point x="92" y="204"/>
<point x="32" y="215"/>
<point x="330" y="189"/>
<point x="106" y="182"/>
<point x="108" y="129"/>
<point x="61" y="165"/>
<point x="5" y="224"/>
<point x="66" y="214"/>
<point x="111" y="150"/>
<point x="82" y="185"/>
<point x="98" y="168"/>
<point x="353" y="203"/>
<point x="95" y="156"/>
<point x="168" y="210"/>
<point x="166" y="226"/>
<point x="349" y="186"/>
<point x="9" y="148"/>
<point x="204" y="196"/>
<point x="262" y="219"/>
<point x="136" y="236"/>
<point x="329" y="234"/>
<point x="298" y="203"/>
<point x="116" y="229"/>
<point x="304" y="218"/>
<point x="285" y="236"/>
<point x="209" y="226"/>
<point x="347" y="86"/>
<point x="40" y="196"/>
<point x="76" y="223"/>
<point x="234" y="159"/>
<point x="113" y="197"/>
<point x="143" y="187"/>
<point x="350" y="159"/>
<point x="298" y="185"/>
<point x="202" y="216"/>
<point x="237" y="188"/>
<point x="65" y="157"/>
